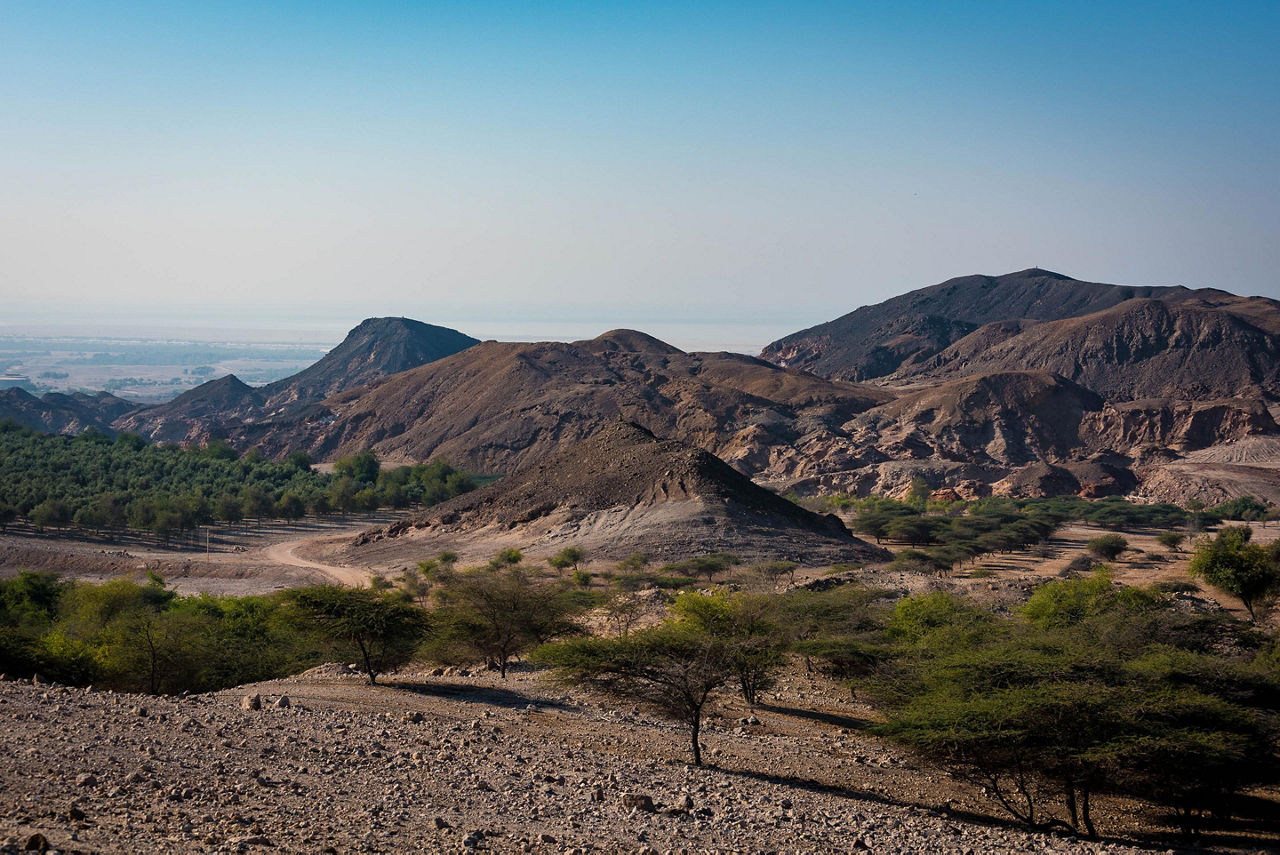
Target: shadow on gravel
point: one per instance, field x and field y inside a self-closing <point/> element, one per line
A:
<point x="477" y="694"/>
<point x="953" y="814"/>
<point x="833" y="719"/>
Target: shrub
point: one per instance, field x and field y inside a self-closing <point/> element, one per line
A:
<point x="1108" y="547"/>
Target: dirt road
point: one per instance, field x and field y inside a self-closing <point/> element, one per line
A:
<point x="285" y="553"/>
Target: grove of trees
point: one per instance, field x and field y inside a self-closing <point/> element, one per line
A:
<point x="100" y="485"/>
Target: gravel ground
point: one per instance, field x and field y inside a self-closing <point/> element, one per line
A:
<point x="460" y="762"/>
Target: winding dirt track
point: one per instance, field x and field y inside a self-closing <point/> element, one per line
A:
<point x="285" y="553"/>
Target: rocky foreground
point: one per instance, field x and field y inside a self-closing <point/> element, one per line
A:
<point x="325" y="763"/>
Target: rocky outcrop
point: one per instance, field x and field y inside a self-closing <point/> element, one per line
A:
<point x="622" y="491"/>
<point x="376" y="348"/>
<point x="221" y="408"/>
<point x="206" y="411"/>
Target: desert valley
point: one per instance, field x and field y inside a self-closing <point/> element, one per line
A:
<point x="473" y="595"/>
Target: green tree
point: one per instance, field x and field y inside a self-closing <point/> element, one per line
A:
<point x="747" y="625"/>
<point x="381" y="628"/>
<point x="498" y="614"/>
<point x="362" y="467"/>
<point x="1242" y="569"/>
<point x="567" y="559"/>
<point x="671" y="670"/>
<point x="291" y="507"/>
<point x="51" y="513"/>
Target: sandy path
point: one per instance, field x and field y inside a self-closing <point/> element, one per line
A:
<point x="286" y="553"/>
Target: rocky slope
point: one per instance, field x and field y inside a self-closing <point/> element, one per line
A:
<point x="197" y="414"/>
<point x="464" y="763"/>
<point x="1189" y="349"/>
<point x="56" y="412"/>
<point x="875" y="341"/>
<point x="500" y="405"/>
<point x="623" y="490"/>
<point x="375" y="349"/>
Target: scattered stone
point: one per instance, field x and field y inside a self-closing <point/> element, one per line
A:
<point x="36" y="843"/>
<point x="639" y="801"/>
<point x="283" y="702"/>
<point x="441" y="823"/>
<point x="86" y="780"/>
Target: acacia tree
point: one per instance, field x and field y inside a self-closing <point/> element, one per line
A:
<point x="382" y="628"/>
<point x="746" y="625"/>
<point x="672" y="670"/>
<point x="567" y="559"/>
<point x="499" y="614"/>
<point x="1243" y="569"/>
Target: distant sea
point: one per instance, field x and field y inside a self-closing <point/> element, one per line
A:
<point x="732" y="336"/>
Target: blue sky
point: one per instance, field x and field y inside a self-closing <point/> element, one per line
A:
<point x="625" y="164"/>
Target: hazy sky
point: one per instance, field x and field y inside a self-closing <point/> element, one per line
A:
<point x="606" y="164"/>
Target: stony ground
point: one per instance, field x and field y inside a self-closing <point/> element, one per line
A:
<point x="464" y="762"/>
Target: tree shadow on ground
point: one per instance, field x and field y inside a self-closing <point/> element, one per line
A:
<point x="467" y="693"/>
<point x="833" y="719"/>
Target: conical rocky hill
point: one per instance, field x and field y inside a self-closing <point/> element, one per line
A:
<point x="623" y="490"/>
<point x="195" y="414"/>
<point x="376" y="348"/>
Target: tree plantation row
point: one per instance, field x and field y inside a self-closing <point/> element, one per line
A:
<point x="93" y="483"/>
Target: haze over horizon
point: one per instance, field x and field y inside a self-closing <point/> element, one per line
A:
<point x="762" y="165"/>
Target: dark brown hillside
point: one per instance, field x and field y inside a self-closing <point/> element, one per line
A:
<point x="195" y="414"/>
<point x="623" y="490"/>
<point x="374" y="349"/>
<point x="499" y="405"/>
<point x="1189" y="349"/>
<point x="875" y="341"/>
<point x="55" y="412"/>
<point x="377" y="347"/>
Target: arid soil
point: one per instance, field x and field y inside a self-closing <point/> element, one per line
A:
<point x="471" y="762"/>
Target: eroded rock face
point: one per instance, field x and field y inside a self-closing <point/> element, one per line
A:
<point x="623" y="491"/>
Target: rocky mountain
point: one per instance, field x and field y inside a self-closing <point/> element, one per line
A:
<point x="56" y="412"/>
<point x="875" y="341"/>
<point x="1032" y="433"/>
<point x="1190" y="349"/>
<point x="623" y="490"/>
<point x="501" y="405"/>
<point x="375" y="349"/>
<point x="196" y="414"/>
